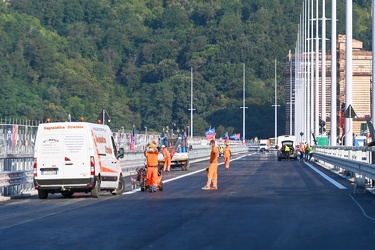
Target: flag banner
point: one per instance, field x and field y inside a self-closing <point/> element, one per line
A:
<point x="235" y="136"/>
<point x="9" y="136"/>
<point x="225" y="136"/>
<point x="14" y="135"/>
<point x="210" y="131"/>
<point x="132" y="140"/>
<point x="210" y="136"/>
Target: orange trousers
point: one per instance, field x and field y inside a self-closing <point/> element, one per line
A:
<point x="152" y="176"/>
<point x="226" y="162"/>
<point x="212" y="175"/>
<point x="167" y="164"/>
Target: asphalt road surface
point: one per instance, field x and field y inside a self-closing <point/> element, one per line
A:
<point x="260" y="203"/>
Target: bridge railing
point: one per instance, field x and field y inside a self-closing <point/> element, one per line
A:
<point x="354" y="160"/>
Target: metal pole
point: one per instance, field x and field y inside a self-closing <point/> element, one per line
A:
<point x="311" y="94"/>
<point x="349" y="71"/>
<point x="243" y="105"/>
<point x="373" y="65"/>
<point x="308" y="85"/>
<point x="316" y="127"/>
<point x="324" y="115"/>
<point x="275" y="100"/>
<point x="191" y="102"/>
<point x="333" y="133"/>
<point x="290" y="94"/>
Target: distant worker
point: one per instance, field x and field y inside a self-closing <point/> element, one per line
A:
<point x="212" y="168"/>
<point x="167" y="158"/>
<point x="311" y="152"/>
<point x="183" y="138"/>
<point x="227" y="154"/>
<point x="151" y="154"/>
<point x="287" y="152"/>
<point x="301" y="151"/>
<point x="307" y="146"/>
<point x="220" y="151"/>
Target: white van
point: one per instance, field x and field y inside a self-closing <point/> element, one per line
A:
<point x="289" y="140"/>
<point x="264" y="145"/>
<point x="76" y="157"/>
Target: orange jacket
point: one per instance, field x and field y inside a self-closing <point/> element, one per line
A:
<point x="302" y="147"/>
<point x="214" y="157"/>
<point x="227" y="152"/>
<point x="152" y="156"/>
<point x="166" y="153"/>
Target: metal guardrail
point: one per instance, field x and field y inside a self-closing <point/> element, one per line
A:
<point x="12" y="178"/>
<point x="131" y="161"/>
<point x="357" y="160"/>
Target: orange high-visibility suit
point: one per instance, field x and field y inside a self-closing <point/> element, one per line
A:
<point x="227" y="153"/>
<point x="167" y="159"/>
<point x="212" y="168"/>
<point x="152" y="165"/>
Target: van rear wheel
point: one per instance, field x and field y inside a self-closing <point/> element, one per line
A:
<point x="121" y="186"/>
<point x="42" y="194"/>
<point x="95" y="192"/>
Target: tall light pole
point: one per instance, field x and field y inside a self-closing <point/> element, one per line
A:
<point x="191" y="103"/>
<point x="323" y="104"/>
<point x="373" y="65"/>
<point x="243" y="107"/>
<point x="275" y="100"/>
<point x="290" y="92"/>
<point x="109" y="118"/>
<point x="333" y="133"/>
<point x="349" y="71"/>
<point x="316" y="124"/>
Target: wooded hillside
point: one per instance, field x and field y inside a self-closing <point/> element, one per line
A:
<point x="134" y="59"/>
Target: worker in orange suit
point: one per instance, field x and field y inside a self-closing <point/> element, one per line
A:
<point x="152" y="166"/>
<point x="212" y="168"/>
<point x="227" y="154"/>
<point x="167" y="158"/>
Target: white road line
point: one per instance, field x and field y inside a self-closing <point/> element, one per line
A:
<point x="326" y="177"/>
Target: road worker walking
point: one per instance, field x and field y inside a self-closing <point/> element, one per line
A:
<point x="212" y="168"/>
<point x="227" y="154"/>
<point x="151" y="154"/>
<point x="167" y="158"/>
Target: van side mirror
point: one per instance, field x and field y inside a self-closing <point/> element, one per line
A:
<point x="121" y="153"/>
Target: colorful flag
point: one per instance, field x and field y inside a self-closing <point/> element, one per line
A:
<point x="225" y="136"/>
<point x="210" y="131"/>
<point x="132" y="140"/>
<point x="210" y="136"/>
<point x="14" y="135"/>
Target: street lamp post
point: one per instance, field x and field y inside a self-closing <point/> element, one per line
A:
<point x="109" y="118"/>
<point x="191" y="103"/>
